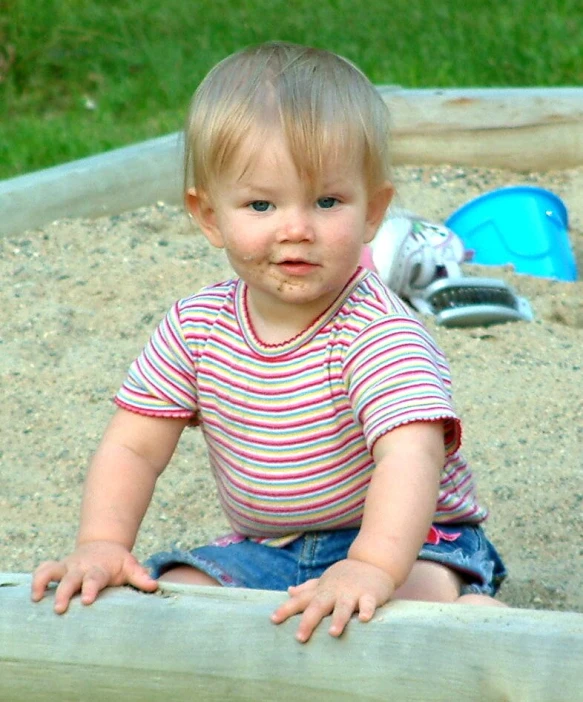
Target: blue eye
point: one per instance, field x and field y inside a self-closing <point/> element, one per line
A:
<point x="326" y="203"/>
<point x="260" y="205"/>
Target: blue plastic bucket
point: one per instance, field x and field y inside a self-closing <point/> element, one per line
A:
<point x="520" y="225"/>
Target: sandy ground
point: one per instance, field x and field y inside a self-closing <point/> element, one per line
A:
<point x="78" y="299"/>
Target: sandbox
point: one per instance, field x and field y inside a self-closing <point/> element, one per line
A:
<point x="80" y="296"/>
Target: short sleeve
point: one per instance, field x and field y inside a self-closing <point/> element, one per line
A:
<point x="395" y="374"/>
<point x="161" y="382"/>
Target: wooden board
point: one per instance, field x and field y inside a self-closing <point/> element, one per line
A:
<point x="520" y="129"/>
<point x="200" y="644"/>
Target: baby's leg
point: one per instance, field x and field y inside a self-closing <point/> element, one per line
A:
<point x="430" y="582"/>
<point x="433" y="582"/>
<point x="188" y="575"/>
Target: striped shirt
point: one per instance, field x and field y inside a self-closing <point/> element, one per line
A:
<point x="290" y="428"/>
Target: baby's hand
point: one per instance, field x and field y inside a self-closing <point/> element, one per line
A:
<point x="346" y="587"/>
<point x="91" y="568"/>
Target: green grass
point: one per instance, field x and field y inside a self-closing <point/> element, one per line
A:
<point x="81" y="76"/>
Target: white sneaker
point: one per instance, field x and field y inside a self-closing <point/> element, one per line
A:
<point x="409" y="253"/>
<point x="420" y="261"/>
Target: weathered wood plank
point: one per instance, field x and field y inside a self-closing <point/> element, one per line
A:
<point x="218" y="644"/>
<point x="115" y="181"/>
<point x="521" y="129"/>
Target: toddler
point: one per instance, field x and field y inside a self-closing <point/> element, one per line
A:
<point x="324" y="403"/>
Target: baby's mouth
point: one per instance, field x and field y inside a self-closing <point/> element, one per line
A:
<point x="296" y="266"/>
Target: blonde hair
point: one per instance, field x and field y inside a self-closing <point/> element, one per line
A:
<point x="323" y="104"/>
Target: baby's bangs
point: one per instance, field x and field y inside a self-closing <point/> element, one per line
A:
<point x="313" y="152"/>
<point x="329" y="131"/>
<point x="222" y="113"/>
<point x="217" y="129"/>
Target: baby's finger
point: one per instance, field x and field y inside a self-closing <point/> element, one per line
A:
<point x="367" y="606"/>
<point x="309" y="586"/>
<point x="297" y="603"/>
<point x="70" y="585"/>
<point x="46" y="573"/>
<point x="139" y="577"/>
<point x="94" y="581"/>
<point x="343" y="611"/>
<point x="319" y="607"/>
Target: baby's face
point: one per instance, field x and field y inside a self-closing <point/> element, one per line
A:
<point x="295" y="249"/>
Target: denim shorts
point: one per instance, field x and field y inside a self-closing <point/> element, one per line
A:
<point x="240" y="562"/>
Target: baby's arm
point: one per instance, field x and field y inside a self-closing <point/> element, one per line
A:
<point x="399" y="509"/>
<point x="401" y="499"/>
<point x="134" y="451"/>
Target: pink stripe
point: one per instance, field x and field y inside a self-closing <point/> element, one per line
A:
<point x="264" y="442"/>
<point x="233" y="362"/>
<point x="262" y="423"/>
<point x="156" y="364"/>
<point x="306" y="508"/>
<point x="177" y="414"/>
<point x="453" y="506"/>
<point x="323" y="486"/>
<point x="293" y="524"/>
<point x="277" y="394"/>
<point x="290" y="474"/>
<point x="162" y="380"/>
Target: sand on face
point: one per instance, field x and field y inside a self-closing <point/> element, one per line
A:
<point x="79" y="298"/>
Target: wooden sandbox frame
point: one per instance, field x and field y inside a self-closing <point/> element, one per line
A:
<point x="203" y="643"/>
<point x="208" y="644"/>
<point x="518" y="129"/>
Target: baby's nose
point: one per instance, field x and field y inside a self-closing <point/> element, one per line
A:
<point x="298" y="225"/>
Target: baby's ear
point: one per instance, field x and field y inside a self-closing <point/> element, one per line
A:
<point x="200" y="207"/>
<point x="377" y="206"/>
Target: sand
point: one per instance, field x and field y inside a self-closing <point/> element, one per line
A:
<point x="79" y="298"/>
